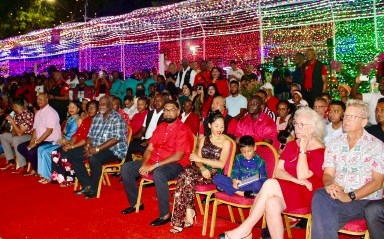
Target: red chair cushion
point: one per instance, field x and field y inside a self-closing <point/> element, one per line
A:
<point x="234" y="199"/>
<point x="205" y="187"/>
<point x="355" y="226"/>
<point x="149" y="177"/>
<point x="300" y="211"/>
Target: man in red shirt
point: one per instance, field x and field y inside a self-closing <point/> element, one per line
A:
<point x="204" y="76"/>
<point x="189" y="118"/>
<point x="165" y="157"/>
<point x="270" y="101"/>
<point x="315" y="77"/>
<point x="257" y="124"/>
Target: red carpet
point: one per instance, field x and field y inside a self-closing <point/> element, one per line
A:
<point x="29" y="209"/>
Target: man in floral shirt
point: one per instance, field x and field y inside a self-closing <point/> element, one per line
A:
<point x="22" y="128"/>
<point x="353" y="175"/>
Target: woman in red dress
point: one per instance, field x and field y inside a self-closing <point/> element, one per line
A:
<point x="298" y="174"/>
<point x="220" y="82"/>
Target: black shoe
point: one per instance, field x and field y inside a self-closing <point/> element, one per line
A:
<point x="219" y="189"/>
<point x="249" y="194"/>
<point x="90" y="194"/>
<point x="302" y="224"/>
<point x="160" y="221"/>
<point x="265" y="233"/>
<point x="132" y="209"/>
<point x="84" y="190"/>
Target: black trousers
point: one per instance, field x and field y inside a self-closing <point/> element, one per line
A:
<point x="76" y="158"/>
<point x="134" y="147"/>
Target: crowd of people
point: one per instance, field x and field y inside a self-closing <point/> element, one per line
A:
<point x="329" y="150"/>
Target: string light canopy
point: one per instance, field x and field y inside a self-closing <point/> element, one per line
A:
<point x="245" y="30"/>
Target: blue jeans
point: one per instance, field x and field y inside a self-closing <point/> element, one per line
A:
<point x="330" y="215"/>
<point x="161" y="176"/>
<point x="226" y="184"/>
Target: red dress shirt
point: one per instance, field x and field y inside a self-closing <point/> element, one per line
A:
<point x="261" y="128"/>
<point x="169" y="139"/>
<point x="199" y="78"/>
<point x="137" y="121"/>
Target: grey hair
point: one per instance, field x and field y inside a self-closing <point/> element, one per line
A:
<point x="362" y="106"/>
<point x="318" y="122"/>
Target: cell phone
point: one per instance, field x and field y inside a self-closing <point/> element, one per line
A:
<point x="364" y="78"/>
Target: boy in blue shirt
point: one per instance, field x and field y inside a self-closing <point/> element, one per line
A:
<point x="246" y="165"/>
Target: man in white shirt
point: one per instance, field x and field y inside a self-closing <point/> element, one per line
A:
<point x="130" y="107"/>
<point x="186" y="75"/>
<point x="369" y="98"/>
<point x="335" y="117"/>
<point x="235" y="73"/>
<point x="236" y="103"/>
<point x="72" y="82"/>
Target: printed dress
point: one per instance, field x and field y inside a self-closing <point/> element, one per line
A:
<point x="187" y="181"/>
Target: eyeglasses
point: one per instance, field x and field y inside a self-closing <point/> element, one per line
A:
<point x="170" y="110"/>
<point x="352" y="117"/>
<point x="299" y="125"/>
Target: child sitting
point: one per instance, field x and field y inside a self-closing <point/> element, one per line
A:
<point x="247" y="164"/>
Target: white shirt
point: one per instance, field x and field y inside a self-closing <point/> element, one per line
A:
<point x="238" y="73"/>
<point x="184" y="116"/>
<point x="371" y="99"/>
<point x="131" y="111"/>
<point x="153" y="124"/>
<point x="72" y="85"/>
<point x="39" y="89"/>
<point x="302" y="102"/>
<point x="331" y="133"/>
<point x="180" y="82"/>
<point x="234" y="104"/>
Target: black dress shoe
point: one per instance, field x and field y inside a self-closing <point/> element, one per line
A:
<point x="249" y="194"/>
<point x="160" y="221"/>
<point x="220" y="189"/>
<point x="90" y="194"/>
<point x="82" y="191"/>
<point x="132" y="209"/>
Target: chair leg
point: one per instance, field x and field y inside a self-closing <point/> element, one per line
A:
<point x="231" y="214"/>
<point x="99" y="186"/>
<point x="309" y="228"/>
<point x="206" y="210"/>
<point x="199" y="203"/>
<point x="213" y="220"/>
<point x="139" y="195"/>
<point x="287" y="226"/>
<point x="76" y="184"/>
<point x="107" y="179"/>
<point x="242" y="218"/>
<point x="366" y="236"/>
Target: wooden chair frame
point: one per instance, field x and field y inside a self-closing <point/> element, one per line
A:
<point x="240" y="207"/>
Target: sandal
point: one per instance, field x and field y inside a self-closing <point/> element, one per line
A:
<point x="190" y="224"/>
<point x="44" y="181"/>
<point x="32" y="173"/>
<point x="176" y="230"/>
<point x="66" y="184"/>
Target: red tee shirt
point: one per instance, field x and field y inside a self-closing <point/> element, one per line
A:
<point x="308" y="73"/>
<point x="169" y="139"/>
<point x="137" y="121"/>
<point x="199" y="78"/>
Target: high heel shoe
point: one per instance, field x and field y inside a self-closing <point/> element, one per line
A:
<point x="225" y="236"/>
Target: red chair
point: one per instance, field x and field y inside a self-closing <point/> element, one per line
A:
<point x="209" y="189"/>
<point x="305" y="213"/>
<point x="146" y="180"/>
<point x="356" y="228"/>
<point x="269" y="154"/>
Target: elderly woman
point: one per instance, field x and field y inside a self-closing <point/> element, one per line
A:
<point x="209" y="161"/>
<point x="298" y="174"/>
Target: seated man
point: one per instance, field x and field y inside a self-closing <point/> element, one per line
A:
<point x="353" y="175"/>
<point x="22" y="128"/>
<point x="165" y="157"/>
<point x="106" y="142"/>
<point x="335" y="117"/>
<point x="266" y="110"/>
<point x="189" y="118"/>
<point x="257" y="124"/>
<point x="377" y="130"/>
<point x="154" y="117"/>
<point x="236" y="103"/>
<point x="218" y="103"/>
<point x="320" y="105"/>
<point x="374" y="215"/>
<point x="46" y="130"/>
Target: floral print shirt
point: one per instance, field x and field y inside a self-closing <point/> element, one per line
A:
<point x="354" y="166"/>
<point x="25" y="118"/>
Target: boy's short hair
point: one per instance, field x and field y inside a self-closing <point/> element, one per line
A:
<point x="246" y="141"/>
<point x="128" y="97"/>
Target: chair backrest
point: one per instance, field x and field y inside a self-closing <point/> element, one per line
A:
<point x="129" y="134"/>
<point x="231" y="157"/>
<point x="270" y="156"/>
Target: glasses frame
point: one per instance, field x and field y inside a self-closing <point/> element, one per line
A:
<point x="299" y="125"/>
<point x="352" y="117"/>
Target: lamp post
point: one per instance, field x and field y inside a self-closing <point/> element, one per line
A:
<point x="85" y="10"/>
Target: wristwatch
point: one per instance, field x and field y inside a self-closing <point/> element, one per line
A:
<point x="157" y="164"/>
<point x="352" y="196"/>
<point x="97" y="149"/>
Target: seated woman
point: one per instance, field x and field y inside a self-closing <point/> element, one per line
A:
<point x="210" y="160"/>
<point x="198" y="96"/>
<point x="298" y="174"/>
<point x="283" y="114"/>
<point x="247" y="165"/>
<point x="212" y="92"/>
<point x="44" y="152"/>
<point x="62" y="171"/>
